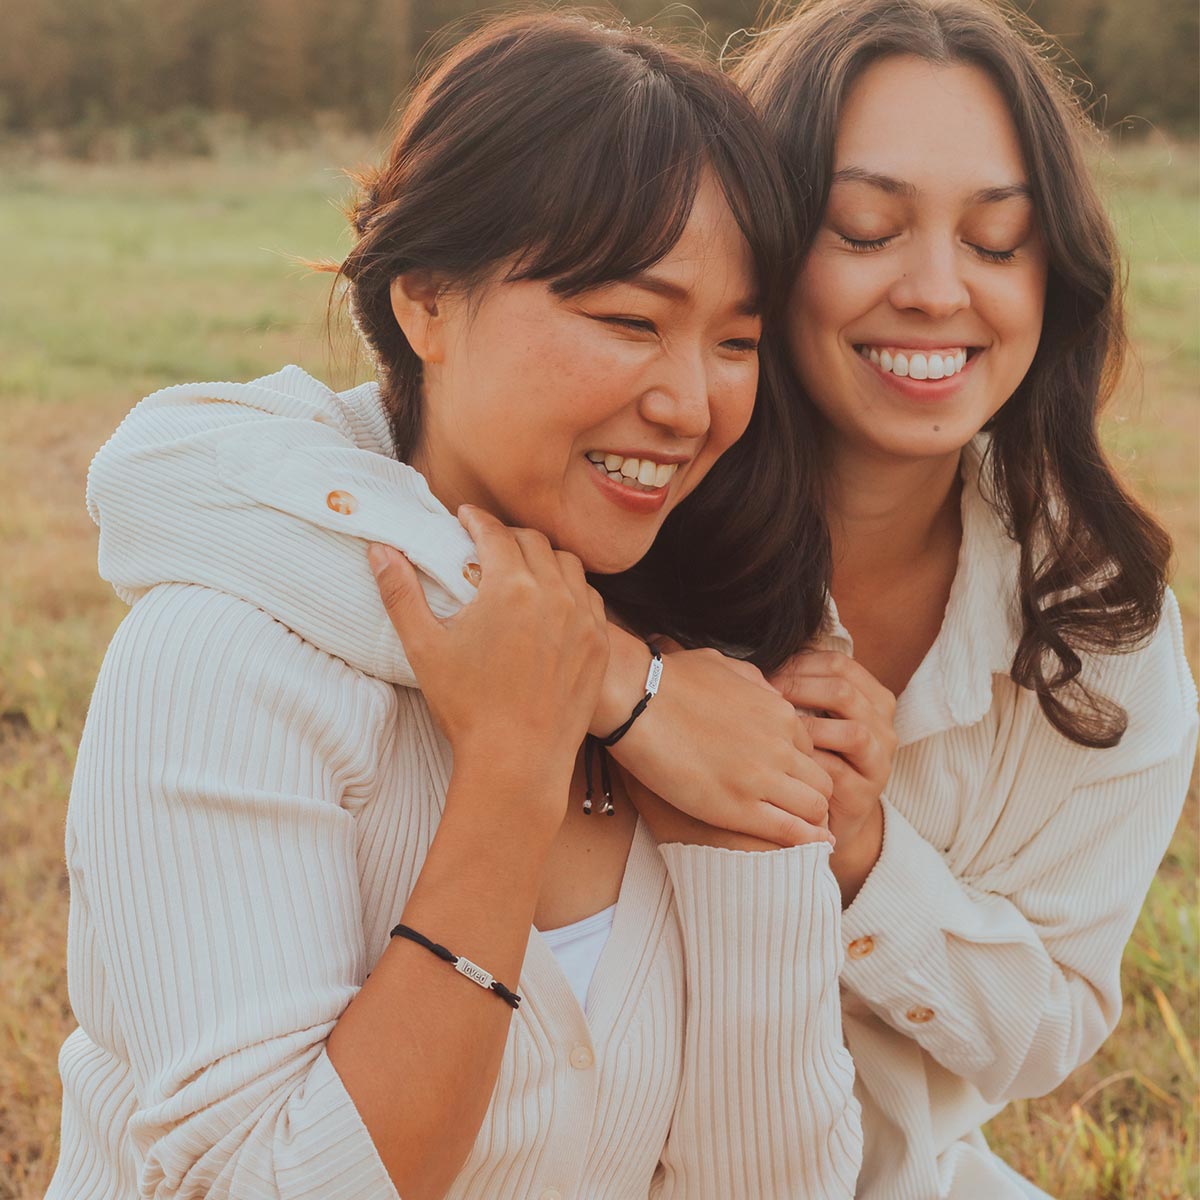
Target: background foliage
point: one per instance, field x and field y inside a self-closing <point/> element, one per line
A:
<point x="153" y="67"/>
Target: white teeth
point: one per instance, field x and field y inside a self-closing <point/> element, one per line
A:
<point x="916" y="364"/>
<point x="641" y="474"/>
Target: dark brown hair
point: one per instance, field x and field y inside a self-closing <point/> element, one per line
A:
<point x="1092" y="560"/>
<point x="573" y="149"/>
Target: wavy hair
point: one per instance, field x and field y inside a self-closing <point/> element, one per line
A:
<point x="1093" y="561"/>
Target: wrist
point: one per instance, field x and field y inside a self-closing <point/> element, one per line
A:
<point x="623" y="683"/>
<point x="856" y="854"/>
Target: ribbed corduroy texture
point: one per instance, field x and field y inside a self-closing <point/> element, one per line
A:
<point x="1014" y="863"/>
<point x="247" y="818"/>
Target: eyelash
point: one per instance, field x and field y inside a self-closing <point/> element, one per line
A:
<point x="865" y="246"/>
<point x="743" y="345"/>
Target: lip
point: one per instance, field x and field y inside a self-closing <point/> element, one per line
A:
<point x="644" y="503"/>
<point x="917" y="343"/>
<point x="928" y="391"/>
<point x="657" y="456"/>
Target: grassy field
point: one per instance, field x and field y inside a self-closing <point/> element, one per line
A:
<point x="122" y="279"/>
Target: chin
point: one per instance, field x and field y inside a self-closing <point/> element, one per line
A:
<point x="610" y="559"/>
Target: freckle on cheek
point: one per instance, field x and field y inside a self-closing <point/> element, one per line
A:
<point x="937" y="429"/>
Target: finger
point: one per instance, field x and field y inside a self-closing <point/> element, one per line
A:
<point x="809" y="773"/>
<point x="539" y="555"/>
<point x="572" y="573"/>
<point x="836" y="664"/>
<point x="403" y="597"/>
<point x="831" y="694"/>
<point x="853" y="740"/>
<point x="494" y="543"/>
<point x="785" y="828"/>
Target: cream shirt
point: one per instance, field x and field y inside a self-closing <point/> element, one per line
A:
<point x="983" y="952"/>
<point x="249" y="814"/>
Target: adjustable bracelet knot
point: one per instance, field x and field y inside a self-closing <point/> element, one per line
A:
<point x="464" y="966"/>
<point x="593" y="745"/>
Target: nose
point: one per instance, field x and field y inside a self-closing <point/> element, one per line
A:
<point x="932" y="281"/>
<point x="677" y="398"/>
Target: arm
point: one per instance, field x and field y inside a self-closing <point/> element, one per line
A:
<point x="1009" y="977"/>
<point x="250" y="468"/>
<point x="222" y="879"/>
<point x="766" y="1107"/>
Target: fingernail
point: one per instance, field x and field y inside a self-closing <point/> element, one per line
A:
<point x="377" y="558"/>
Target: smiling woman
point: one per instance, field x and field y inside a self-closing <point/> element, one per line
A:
<point x="310" y="859"/>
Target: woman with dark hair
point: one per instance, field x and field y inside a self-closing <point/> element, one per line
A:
<point x="563" y="271"/>
<point x="957" y="325"/>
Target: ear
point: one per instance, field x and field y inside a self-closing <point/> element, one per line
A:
<point x="415" y="305"/>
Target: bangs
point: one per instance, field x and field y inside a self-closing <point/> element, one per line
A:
<point x="618" y="200"/>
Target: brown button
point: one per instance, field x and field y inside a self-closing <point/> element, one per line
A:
<point x="861" y="947"/>
<point x="341" y="502"/>
<point x="919" y="1015"/>
<point x="473" y="573"/>
<point x="581" y="1057"/>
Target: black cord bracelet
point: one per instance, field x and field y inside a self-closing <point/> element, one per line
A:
<point x="593" y="745"/>
<point x="464" y="966"/>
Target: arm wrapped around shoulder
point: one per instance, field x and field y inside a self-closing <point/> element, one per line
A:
<point x="212" y="855"/>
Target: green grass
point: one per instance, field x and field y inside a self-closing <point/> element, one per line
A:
<point x="121" y="279"/>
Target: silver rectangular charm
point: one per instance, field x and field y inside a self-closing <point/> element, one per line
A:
<point x="473" y="971"/>
<point x="652" y="679"/>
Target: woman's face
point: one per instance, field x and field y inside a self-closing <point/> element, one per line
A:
<point x="590" y="417"/>
<point x="918" y="309"/>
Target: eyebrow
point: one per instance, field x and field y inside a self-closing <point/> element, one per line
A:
<point x="901" y="187"/>
<point x="748" y="306"/>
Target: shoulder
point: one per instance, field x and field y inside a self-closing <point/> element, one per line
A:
<point x="190" y="663"/>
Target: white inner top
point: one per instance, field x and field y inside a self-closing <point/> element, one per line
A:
<point x="578" y="946"/>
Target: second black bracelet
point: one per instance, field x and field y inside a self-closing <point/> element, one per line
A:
<point x="464" y="966"/>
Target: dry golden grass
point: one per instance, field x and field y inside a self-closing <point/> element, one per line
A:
<point x="129" y="278"/>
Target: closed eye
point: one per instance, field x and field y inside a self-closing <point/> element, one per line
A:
<point x="996" y="256"/>
<point x="638" y="323"/>
<point x="864" y="245"/>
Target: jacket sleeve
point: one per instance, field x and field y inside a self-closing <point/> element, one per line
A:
<point x="766" y="1106"/>
<point x="263" y="491"/>
<point x="211" y="841"/>
<point x="1011" y="978"/>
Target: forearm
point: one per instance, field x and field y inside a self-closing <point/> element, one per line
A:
<point x="419" y="1048"/>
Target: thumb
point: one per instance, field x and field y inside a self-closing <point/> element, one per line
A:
<point x="402" y="595"/>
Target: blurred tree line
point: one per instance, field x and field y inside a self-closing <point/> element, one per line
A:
<point x="95" y="64"/>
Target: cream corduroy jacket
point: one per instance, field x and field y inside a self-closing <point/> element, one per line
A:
<point x="249" y="813"/>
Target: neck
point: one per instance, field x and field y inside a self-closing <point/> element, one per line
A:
<point x="887" y="514"/>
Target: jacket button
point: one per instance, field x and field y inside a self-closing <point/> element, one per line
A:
<point x="341" y="502"/>
<point x="918" y="1014"/>
<point x="473" y="573"/>
<point x="861" y="947"/>
<point x="581" y="1058"/>
<point x="550" y="1194"/>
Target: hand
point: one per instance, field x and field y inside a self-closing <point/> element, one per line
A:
<point x="854" y="740"/>
<point x="667" y="824"/>
<point x="720" y="744"/>
<point x="513" y="676"/>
